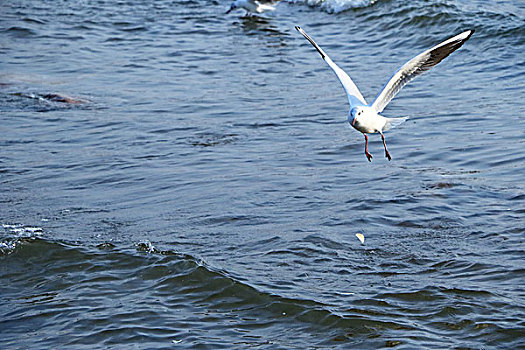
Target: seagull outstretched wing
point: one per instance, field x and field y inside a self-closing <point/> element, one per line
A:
<point x="354" y="95"/>
<point x="417" y="66"/>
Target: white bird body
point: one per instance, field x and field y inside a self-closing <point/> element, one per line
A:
<point x="366" y="117"/>
<point x="367" y="120"/>
<point x="250" y="6"/>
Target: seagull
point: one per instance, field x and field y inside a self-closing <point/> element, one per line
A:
<point x="366" y="117"/>
<point x="250" y="6"/>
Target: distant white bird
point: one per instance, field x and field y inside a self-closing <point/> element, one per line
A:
<point x="365" y="117"/>
<point x="250" y="6"/>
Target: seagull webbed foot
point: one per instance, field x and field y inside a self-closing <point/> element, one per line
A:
<point x="369" y="156"/>
<point x="387" y="155"/>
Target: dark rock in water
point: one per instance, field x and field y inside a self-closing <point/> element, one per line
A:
<point x="442" y="185"/>
<point x="106" y="246"/>
<point x="62" y="98"/>
<point x="52" y="97"/>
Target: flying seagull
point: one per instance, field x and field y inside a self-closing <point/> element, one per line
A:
<point x="366" y="117"/>
<point x="250" y="6"/>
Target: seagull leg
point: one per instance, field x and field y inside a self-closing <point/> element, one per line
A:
<point x="387" y="154"/>
<point x="367" y="154"/>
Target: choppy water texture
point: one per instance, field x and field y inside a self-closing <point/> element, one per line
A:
<point x="172" y="177"/>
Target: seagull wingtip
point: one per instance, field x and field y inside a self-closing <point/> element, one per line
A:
<point x="298" y="28"/>
<point x="462" y="37"/>
<point x="469" y="33"/>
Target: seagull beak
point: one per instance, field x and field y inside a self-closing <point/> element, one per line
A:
<point x="353" y="122"/>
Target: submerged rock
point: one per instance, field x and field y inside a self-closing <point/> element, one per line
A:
<point x="63" y="98"/>
<point x="53" y="97"/>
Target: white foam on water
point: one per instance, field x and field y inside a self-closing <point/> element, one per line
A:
<point x="23" y="231"/>
<point x="336" y="6"/>
<point x="7" y="247"/>
<point x="146" y="246"/>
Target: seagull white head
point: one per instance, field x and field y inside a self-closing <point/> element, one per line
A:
<point x="356" y="116"/>
<point x="365" y="117"/>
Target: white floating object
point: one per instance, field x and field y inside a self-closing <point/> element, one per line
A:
<point x="360" y="237"/>
<point x="346" y="293"/>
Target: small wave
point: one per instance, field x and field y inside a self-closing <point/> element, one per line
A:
<point x="33" y="20"/>
<point x="17" y="234"/>
<point x="20" y="32"/>
<point x="213" y="139"/>
<point x="336" y="6"/>
<point x="7" y="247"/>
<point x="23" y="231"/>
<point x="133" y="290"/>
<point x="146" y="246"/>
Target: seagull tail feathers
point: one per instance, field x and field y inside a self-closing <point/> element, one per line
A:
<point x="394" y="122"/>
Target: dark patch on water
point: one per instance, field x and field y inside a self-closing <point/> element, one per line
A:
<point x="210" y="140"/>
<point x="51" y="97"/>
